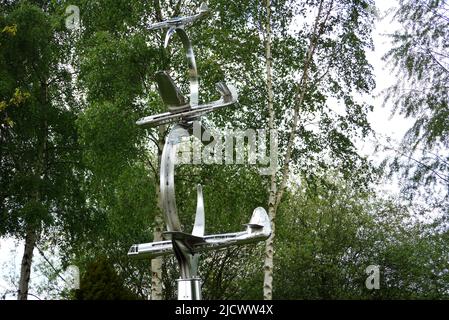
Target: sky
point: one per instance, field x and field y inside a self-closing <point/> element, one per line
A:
<point x="381" y="121"/>
<point x="384" y="124"/>
<point x="380" y="118"/>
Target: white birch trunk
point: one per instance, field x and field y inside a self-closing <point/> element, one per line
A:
<point x="25" y="268"/>
<point x="276" y="194"/>
<point x="269" y="244"/>
<point x="159" y="226"/>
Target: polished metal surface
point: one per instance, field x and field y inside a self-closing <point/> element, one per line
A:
<point x="199" y="224"/>
<point x="229" y="97"/>
<point x="189" y="289"/>
<point x="187" y="246"/>
<point x="193" y="72"/>
<point x="258" y="229"/>
<point x="170" y="93"/>
<point x="181" y="21"/>
<point x="167" y="177"/>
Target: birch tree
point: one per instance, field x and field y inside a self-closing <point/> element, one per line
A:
<point x="321" y="58"/>
<point x="40" y="172"/>
<point x="326" y="52"/>
<point x="335" y="35"/>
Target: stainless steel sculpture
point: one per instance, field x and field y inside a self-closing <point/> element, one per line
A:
<point x="187" y="247"/>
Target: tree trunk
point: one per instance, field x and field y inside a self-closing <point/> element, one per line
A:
<point x="25" y="269"/>
<point x="269" y="244"/>
<point x="159" y="226"/>
<point x="276" y="193"/>
<point x="156" y="263"/>
<point x="33" y="230"/>
<point x="269" y="255"/>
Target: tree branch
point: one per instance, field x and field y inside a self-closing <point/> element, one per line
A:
<point x="301" y="90"/>
<point x="50" y="264"/>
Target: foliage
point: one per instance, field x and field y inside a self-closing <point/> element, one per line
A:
<point x="77" y="169"/>
<point x="101" y="282"/>
<point x="330" y="236"/>
<point x="40" y="172"/>
<point x="419" y="57"/>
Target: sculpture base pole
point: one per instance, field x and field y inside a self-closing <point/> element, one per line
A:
<point x="189" y="289"/>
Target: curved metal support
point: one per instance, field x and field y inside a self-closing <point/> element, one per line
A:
<point x="183" y="250"/>
<point x="167" y="176"/>
<point x="193" y="72"/>
<point x="199" y="225"/>
<point x="167" y="184"/>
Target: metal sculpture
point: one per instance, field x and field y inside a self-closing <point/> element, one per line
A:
<point x="187" y="247"/>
